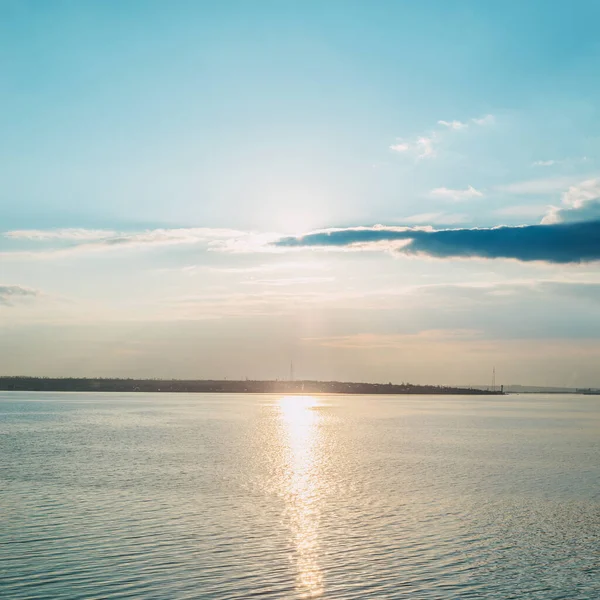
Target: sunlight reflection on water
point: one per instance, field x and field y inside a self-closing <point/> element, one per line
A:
<point x="233" y="497"/>
<point x="300" y="431"/>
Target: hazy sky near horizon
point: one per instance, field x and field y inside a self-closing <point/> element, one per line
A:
<point x="385" y="190"/>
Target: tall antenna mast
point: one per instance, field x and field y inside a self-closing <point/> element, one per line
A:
<point x="291" y="370"/>
<point x="494" y="379"/>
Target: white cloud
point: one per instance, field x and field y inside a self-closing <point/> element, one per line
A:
<point x="458" y="195"/>
<point x="422" y="147"/>
<point x="578" y="195"/>
<point x="400" y="147"/>
<point x="453" y="124"/>
<point x="580" y="202"/>
<point x="485" y="120"/>
<point x="544" y="163"/>
<point x="425" y="147"/>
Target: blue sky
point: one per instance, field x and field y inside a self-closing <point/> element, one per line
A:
<point x="153" y="155"/>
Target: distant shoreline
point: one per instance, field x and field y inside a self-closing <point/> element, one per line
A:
<point x="67" y="384"/>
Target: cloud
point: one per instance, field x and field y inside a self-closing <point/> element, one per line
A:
<point x="453" y="124"/>
<point x="423" y="146"/>
<point x="579" y="195"/>
<point x="444" y="192"/>
<point x="563" y="161"/>
<point x="485" y="120"/>
<point x="76" y="241"/>
<point x="580" y="203"/>
<point x="290" y="281"/>
<point x="573" y="289"/>
<point x="515" y="289"/>
<point x="60" y="234"/>
<point x="370" y="341"/>
<point x="559" y="243"/>
<point x="400" y="147"/>
<point x="149" y="236"/>
<point x="481" y="121"/>
<point x="286" y="267"/>
<point x="549" y="185"/>
<point x="438" y="218"/>
<point x="269" y="302"/>
<point x="523" y="210"/>
<point x="13" y="294"/>
<point x="169" y="236"/>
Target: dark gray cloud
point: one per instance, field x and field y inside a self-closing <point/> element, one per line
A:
<point x="10" y="294"/>
<point x="556" y="243"/>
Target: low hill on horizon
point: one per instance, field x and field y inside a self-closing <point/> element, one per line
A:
<point x="69" y="384"/>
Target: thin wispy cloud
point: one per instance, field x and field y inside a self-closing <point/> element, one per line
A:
<point x="78" y="241"/>
<point x="485" y="120"/>
<point x="436" y="218"/>
<point x="564" y="161"/>
<point x="480" y="122"/>
<point x="115" y="238"/>
<point x="523" y="210"/>
<point x="548" y="185"/>
<point x="267" y="302"/>
<point x="289" y="281"/>
<point x="290" y="267"/>
<point x="77" y="235"/>
<point x="453" y="124"/>
<point x="456" y="194"/>
<point x="370" y="341"/>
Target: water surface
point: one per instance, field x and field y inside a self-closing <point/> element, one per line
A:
<point x="349" y="497"/>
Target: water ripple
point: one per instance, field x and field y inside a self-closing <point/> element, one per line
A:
<point x="238" y="497"/>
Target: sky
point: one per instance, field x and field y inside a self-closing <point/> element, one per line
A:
<point x="376" y="191"/>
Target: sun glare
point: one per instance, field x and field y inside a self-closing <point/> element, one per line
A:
<point x="296" y="407"/>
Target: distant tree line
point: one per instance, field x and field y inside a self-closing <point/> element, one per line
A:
<point x="71" y="384"/>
